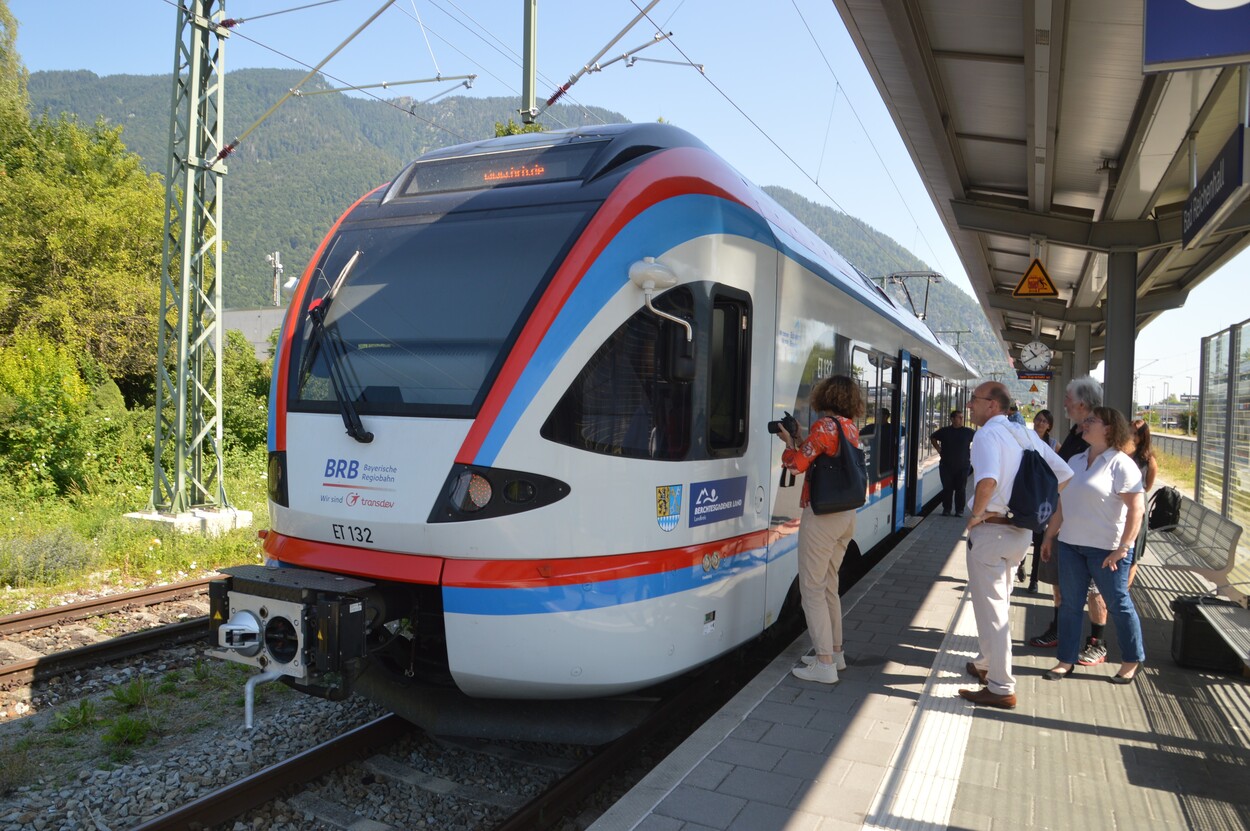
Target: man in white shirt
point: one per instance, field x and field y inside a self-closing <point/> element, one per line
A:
<point x="995" y="546"/>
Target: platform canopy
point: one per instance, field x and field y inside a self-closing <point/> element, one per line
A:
<point x="1039" y="135"/>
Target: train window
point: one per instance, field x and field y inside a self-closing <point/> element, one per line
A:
<point x="729" y="377"/>
<point x="419" y="322"/>
<point x="622" y="403"/>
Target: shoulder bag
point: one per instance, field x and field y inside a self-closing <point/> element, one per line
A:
<point x="838" y="482"/>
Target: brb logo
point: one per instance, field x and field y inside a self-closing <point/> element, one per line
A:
<point x="342" y="468"/>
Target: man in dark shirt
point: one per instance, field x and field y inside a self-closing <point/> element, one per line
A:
<point x="954" y="443"/>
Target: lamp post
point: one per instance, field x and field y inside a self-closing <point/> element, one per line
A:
<point x="1189" y="415"/>
<point x="1166" y="405"/>
<point x="1152" y="400"/>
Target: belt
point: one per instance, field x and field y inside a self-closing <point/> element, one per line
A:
<point x="997" y="520"/>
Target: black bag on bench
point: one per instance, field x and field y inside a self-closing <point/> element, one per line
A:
<point x="1195" y="643"/>
<point x="1165" y="509"/>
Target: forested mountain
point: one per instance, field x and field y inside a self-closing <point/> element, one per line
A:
<point x="291" y="178"/>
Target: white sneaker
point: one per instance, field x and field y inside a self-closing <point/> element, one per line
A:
<point x="821" y="673"/>
<point x="839" y="660"/>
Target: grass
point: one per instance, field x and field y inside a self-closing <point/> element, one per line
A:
<point x="55" y="546"/>
<point x="1181" y="473"/>
<point x="138" y="693"/>
<point x="74" y="717"/>
<point x="112" y="728"/>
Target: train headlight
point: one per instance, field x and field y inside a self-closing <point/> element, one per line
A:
<point x="471" y="492"/>
<point x="519" y="491"/>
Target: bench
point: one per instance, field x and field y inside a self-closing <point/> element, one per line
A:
<point x="1205" y="543"/>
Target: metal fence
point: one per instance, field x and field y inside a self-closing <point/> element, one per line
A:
<point x="1182" y="447"/>
<point x="1223" y="469"/>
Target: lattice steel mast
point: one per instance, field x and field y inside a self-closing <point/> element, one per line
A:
<point x="186" y="463"/>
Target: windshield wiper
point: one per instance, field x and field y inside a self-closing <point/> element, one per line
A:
<point x="335" y="356"/>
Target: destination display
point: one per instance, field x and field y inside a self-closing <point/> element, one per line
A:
<point x="490" y="170"/>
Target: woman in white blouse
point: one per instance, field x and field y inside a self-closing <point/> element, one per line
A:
<point x="1099" y="514"/>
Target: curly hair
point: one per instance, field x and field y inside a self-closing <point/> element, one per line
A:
<point x="1119" y="434"/>
<point x="840" y="395"/>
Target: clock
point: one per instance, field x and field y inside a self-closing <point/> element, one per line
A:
<point x="1036" y="356"/>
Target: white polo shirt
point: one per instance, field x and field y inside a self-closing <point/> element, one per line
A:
<point x="996" y="452"/>
<point x="1094" y="512"/>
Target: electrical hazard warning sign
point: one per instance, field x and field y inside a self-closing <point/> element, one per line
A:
<point x="1035" y="283"/>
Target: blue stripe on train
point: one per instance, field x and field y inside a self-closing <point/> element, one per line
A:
<point x="582" y="597"/>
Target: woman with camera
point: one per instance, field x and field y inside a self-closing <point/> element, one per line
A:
<point x="823" y="538"/>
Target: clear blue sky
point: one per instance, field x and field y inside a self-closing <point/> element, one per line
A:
<point x="787" y="66"/>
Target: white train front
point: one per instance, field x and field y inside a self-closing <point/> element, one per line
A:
<point x="518" y="422"/>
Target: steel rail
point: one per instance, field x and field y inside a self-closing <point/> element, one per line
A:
<point x="264" y="786"/>
<point x="41" y="618"/>
<point x="113" y="649"/>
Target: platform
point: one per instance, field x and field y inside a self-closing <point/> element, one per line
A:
<point x="892" y="746"/>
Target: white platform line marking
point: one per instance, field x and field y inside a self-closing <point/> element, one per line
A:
<point x="918" y="793"/>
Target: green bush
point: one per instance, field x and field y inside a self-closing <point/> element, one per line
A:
<point x="43" y="560"/>
<point x="244" y="393"/>
<point x="42" y="398"/>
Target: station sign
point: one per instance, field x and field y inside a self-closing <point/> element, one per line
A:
<point x="1220" y="190"/>
<point x="1035" y="282"/>
<point x="1192" y="34"/>
<point x="1026" y="375"/>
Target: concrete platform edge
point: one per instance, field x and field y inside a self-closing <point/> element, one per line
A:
<point x="641" y="800"/>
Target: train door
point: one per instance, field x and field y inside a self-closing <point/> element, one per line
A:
<point x="919" y="431"/>
<point x="903" y="435"/>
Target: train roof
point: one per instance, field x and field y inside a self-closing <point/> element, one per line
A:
<point x="580" y="156"/>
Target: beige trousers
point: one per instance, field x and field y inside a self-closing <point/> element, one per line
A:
<point x="823" y="539"/>
<point x="993" y="552"/>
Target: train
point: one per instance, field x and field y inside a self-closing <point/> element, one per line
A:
<point x="517" y="425"/>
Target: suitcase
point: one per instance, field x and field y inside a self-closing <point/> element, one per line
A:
<point x="1195" y="643"/>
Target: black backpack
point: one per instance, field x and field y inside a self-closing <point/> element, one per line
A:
<point x="1035" y="491"/>
<point x="1165" y="509"/>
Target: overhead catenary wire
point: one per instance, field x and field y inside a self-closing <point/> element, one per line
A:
<point x="769" y="138"/>
<point x="417" y="14"/>
<point x="294" y="60"/>
<point x="237" y="20"/>
<point x="466" y="79"/>
<point x="860" y="121"/>
<point x="573" y="79"/>
<point x="512" y="57"/>
<point x="232" y="146"/>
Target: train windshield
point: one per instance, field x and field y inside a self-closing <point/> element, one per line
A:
<point x="421" y="319"/>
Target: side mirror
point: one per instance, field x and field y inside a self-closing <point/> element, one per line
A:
<point x="650" y="274"/>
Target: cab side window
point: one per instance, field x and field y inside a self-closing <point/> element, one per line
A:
<point x="623" y="402"/>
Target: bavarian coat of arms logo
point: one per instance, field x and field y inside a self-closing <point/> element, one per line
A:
<point x="668" y="506"/>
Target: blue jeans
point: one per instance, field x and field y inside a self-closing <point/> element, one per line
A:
<point x="1078" y="564"/>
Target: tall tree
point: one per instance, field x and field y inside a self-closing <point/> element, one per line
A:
<point x="14" y="105"/>
<point x="80" y="247"/>
<point x="80" y="233"/>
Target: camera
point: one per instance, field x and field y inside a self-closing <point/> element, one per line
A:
<point x="788" y="422"/>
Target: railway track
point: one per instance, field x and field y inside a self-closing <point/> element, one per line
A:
<point x="21" y="630"/>
<point x="387" y="773"/>
<point x="95" y="607"/>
